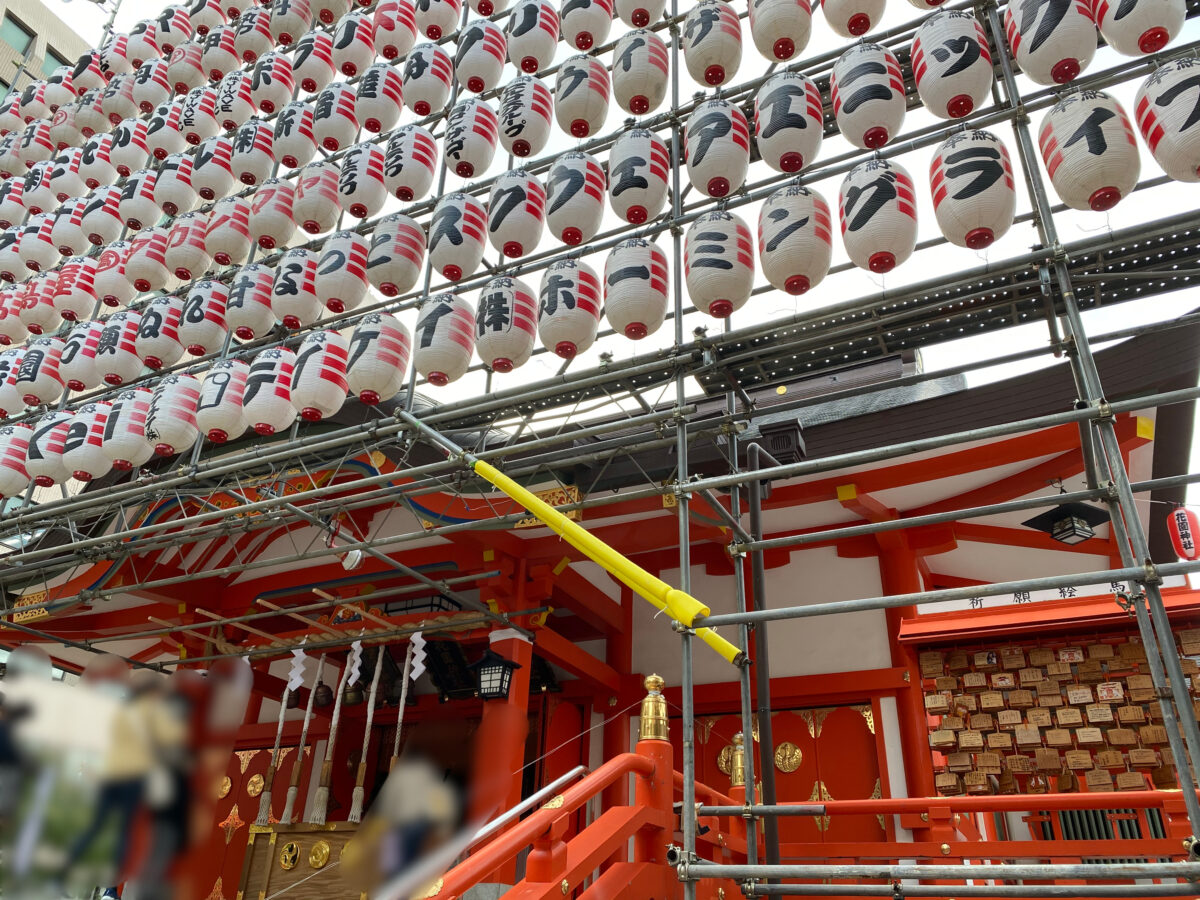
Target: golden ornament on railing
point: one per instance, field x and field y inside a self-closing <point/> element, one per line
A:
<point x="737" y="773"/>
<point x="654" y="711"/>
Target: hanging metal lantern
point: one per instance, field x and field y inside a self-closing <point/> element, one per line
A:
<point x="1069" y="523"/>
<point x="493" y="675"/>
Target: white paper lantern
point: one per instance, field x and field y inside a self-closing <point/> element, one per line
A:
<point x="11" y="264"/>
<point x="718" y="263"/>
<point x="37" y="247"/>
<point x="252" y="161"/>
<point x="471" y="135"/>
<point x="951" y="64"/>
<point x="568" y="308"/>
<point x="171" y="422"/>
<point x="219" y="413"/>
<point x="147" y="262"/>
<point x="315" y="206"/>
<point x="378" y="358"/>
<point x="227" y="237"/>
<point x="395" y="28"/>
<point x="248" y="312"/>
<point x="38" y="378"/>
<point x="852" y="18"/>
<point x="117" y="101"/>
<point x="102" y="216"/>
<point x="235" y="100"/>
<point x="273" y="83"/>
<point x="11" y="164"/>
<point x="294" y="142"/>
<point x="253" y="38"/>
<point x="198" y="117"/>
<point x="428" y="71"/>
<point x="36" y="143"/>
<point x="11" y="403"/>
<point x="397" y="255"/>
<point x="380" y="98"/>
<point x="88" y="74"/>
<point x="59" y="89"/>
<point x="206" y="15"/>
<point x="640" y="13"/>
<point x="788" y="121"/>
<point x="12" y="206"/>
<point x="202" y="328"/>
<point x="1089" y="150"/>
<point x="635" y="288"/>
<point x="37" y="311"/>
<point x="506" y="324"/>
<point x="75" y="295"/>
<point x="271" y="222"/>
<point x="312" y="63"/>
<point x="717" y="145"/>
<point x="342" y="271"/>
<point x="220" y="52"/>
<point x="444" y="338"/>
<point x="640" y="72"/>
<point x="44" y="459"/>
<point x="173" y="191"/>
<point x="585" y="23"/>
<point x="353" y="43"/>
<point x="319" y="382"/>
<point x="64" y="132"/>
<point x="77" y="365"/>
<point x="125" y="443"/>
<point x="479" y="61"/>
<point x="11" y="119"/>
<point x="12" y="329"/>
<point x="1165" y="108"/>
<point x="186" y="253"/>
<point x="575" y="187"/>
<point x="867" y="92"/>
<point x="14" y="447"/>
<point x="334" y="122"/>
<point x="781" y="28"/>
<point x="361" y="191"/>
<point x="525" y="111"/>
<point x="114" y="56"/>
<point x="532" y="35"/>
<point x="437" y="18"/>
<point x="1141" y="26"/>
<point x="637" y="168"/>
<point x="516" y="213"/>
<point x="795" y="239"/>
<point x="1051" y="43"/>
<point x="712" y="42"/>
<point x="878" y="209"/>
<point x="267" y="399"/>
<point x="409" y="163"/>
<point x="290" y="19"/>
<point x="456" y="235"/>
<point x="113" y="286"/>
<point x="128" y="151"/>
<point x="157" y="341"/>
<point x="37" y="194"/>
<point x="33" y="102"/>
<point x="185" y="69"/>
<point x="294" y="291"/>
<point x="152" y="85"/>
<point x="138" y="208"/>
<point x="143" y="42"/>
<point x="164" y="131"/>
<point x="83" y="455"/>
<point x="581" y="96"/>
<point x="974" y="197"/>
<point x="95" y="165"/>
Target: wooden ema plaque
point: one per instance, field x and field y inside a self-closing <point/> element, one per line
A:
<point x="302" y="862"/>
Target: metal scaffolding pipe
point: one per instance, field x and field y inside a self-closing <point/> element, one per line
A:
<point x="902" y="890"/>
<point x="1087" y="871"/>
<point x="963" y="804"/>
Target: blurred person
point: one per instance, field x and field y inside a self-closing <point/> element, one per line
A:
<point x="13" y="765"/>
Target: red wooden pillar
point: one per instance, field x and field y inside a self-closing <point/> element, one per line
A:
<point x="618" y="653"/>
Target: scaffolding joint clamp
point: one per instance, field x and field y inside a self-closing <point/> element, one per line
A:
<point x="1151" y="575"/>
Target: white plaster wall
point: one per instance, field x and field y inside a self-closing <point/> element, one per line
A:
<point x="898" y="782"/>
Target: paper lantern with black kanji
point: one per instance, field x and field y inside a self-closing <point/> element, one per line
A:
<point x="395" y="28"/>
<point x="1089" y="150"/>
<point x="867" y="92"/>
<point x="795" y="239"/>
<point x="152" y="86"/>
<point x="271" y="222"/>
<point x="380" y="98"/>
<point x="113" y="286"/>
<point x="267" y="400"/>
<point x="315" y="207"/>
<point x="59" y="90"/>
<point x="581" y="96"/>
<point x="312" y="62"/>
<point x="712" y="42"/>
<point x="36" y="143"/>
<point x="11" y="119"/>
<point x="717" y="146"/>
<point x="116" y="355"/>
<point x="114" y="56"/>
<point x="171" y="422"/>
<point x="780" y="28"/>
<point x="1184" y="529"/>
<point x="75" y="294"/>
<point x="1052" y="43"/>
<point x="95" y="165"/>
<point x="37" y="194"/>
<point x="640" y="72"/>
<point x="147" y="262"/>
<point x="33" y="102"/>
<point x="294" y="291"/>
<point x="67" y="232"/>
<point x="952" y="64"/>
<point x="164" y="133"/>
<point x="11" y="403"/>
<point x="319" y="382"/>
<point x="220" y="54"/>
<point x="253" y="37"/>
<point x="173" y="191"/>
<point x="227" y="236"/>
<point x="12" y="207"/>
<point x="294" y="141"/>
<point x="88" y="74"/>
<point x="532" y="34"/>
<point x="342" y="271"/>
<point x="637" y="175"/>
<point x="38" y="379"/>
<point x="206" y="15"/>
<point x="471" y="135"/>
<point x="117" y="101"/>
<point x="437" y="18"/>
<point x="12" y="329"/>
<point x="253" y="145"/>
<point x="185" y="69"/>
<point x="788" y="121"/>
<point x="526" y="108"/>
<point x="353" y="43"/>
<point x="428" y="71"/>
<point x="878" y="210"/>
<point x="157" y="341"/>
<point x="198" y="117"/>
<point x="14" y="447"/>
<point x="334" y="122"/>
<point x="479" y="60"/>
<point x="585" y="23"/>
<point x="11" y="264"/>
<point x="142" y="43"/>
<point x="974" y="195"/>
<point x="290" y="19"/>
<point x="235" y="100"/>
<point x="852" y="18"/>
<point x="273" y="82"/>
<point x="396" y="256"/>
<point x="36" y="246"/>
<point x="248" y="312"/>
<point x="128" y="150"/>
<point x="11" y="164"/>
<point x="82" y="453"/>
<point x="444" y="339"/>
<point x="378" y="358"/>
<point x="44" y="457"/>
<point x="575" y="187"/>
<point x="456" y="235"/>
<point x="77" y="365"/>
<point x="409" y="163"/>
<point x="101" y="220"/>
<point x="202" y="327"/>
<point x="137" y="206"/>
<point x="635" y="288"/>
<point x="568" y="308"/>
<point x="505" y="324"/>
<point x="64" y="132"/>
<point x="718" y="263"/>
<point x="125" y="443"/>
<point x="361" y="191"/>
<point x="1136" y="27"/>
<point x="1167" y="117"/>
<point x="220" y="416"/>
<point x="37" y="311"/>
<point x="516" y="213"/>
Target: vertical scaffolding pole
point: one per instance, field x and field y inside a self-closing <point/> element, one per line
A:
<point x="1102" y="453"/>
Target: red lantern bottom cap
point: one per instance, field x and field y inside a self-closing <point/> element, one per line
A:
<point x="309" y="84"/>
<point x="152" y="362"/>
<point x="859" y="23"/>
<point x="875" y="137"/>
<point x="720" y="309"/>
<point x="33" y="265"/>
<point x="714" y="75"/>
<point x="635" y="331"/>
<point x="388" y="289"/>
<point x="248" y="178"/>
<point x="572" y="236"/>
<point x="391" y="51"/>
<point x="584" y="40"/>
<point x="369" y="397"/>
<point x="123" y="170"/>
<point x="331" y="144"/>
<point x="164" y="450"/>
<point x="35" y="329"/>
<point x="185" y="274"/>
<point x="349" y="69"/>
<point x="501" y="364"/>
<point x="486" y="8"/>
<point x="170" y="208"/>
<point x="796" y="285"/>
<point x="566" y="349"/>
<point x="640" y="17"/>
<point x="311" y="414"/>
<point x="422" y="108"/>
<point x="110" y="300"/>
<point x="264" y="429"/>
<point x="405" y="194"/>
<point x="529" y="65"/>
<point x="433" y="32"/>
<point x="438" y="378"/>
<point x="373" y="125"/>
<point x="580" y="128"/>
<point x="32" y="400"/>
<point x="959" y="106"/>
<point x="267" y="106"/>
<point x="244" y="332"/>
<point x="521" y="148"/>
<point x="513" y="249"/>
<point x="326" y="16"/>
<point x="784" y="48"/>
<point x="1065" y="70"/>
<point x="192" y="139"/>
<point x="290" y="161"/>
<point x="266" y="242"/>
<point x="291" y="322"/>
<point x="718" y="187"/>
<point x="196" y="349"/>
<point x="464" y="169"/>
<point x="335" y="306"/>
<point x="639" y="105"/>
<point x="636" y="215"/>
<point x="222" y="258"/>
<point x="1104" y="198"/>
<point x="1153" y="40"/>
<point x="44" y="481"/>
<point x="883" y="261"/>
<point x="978" y="238"/>
<point x="475" y="84"/>
<point x="75" y="385"/>
<point x="358" y="210"/>
<point x="135" y="224"/>
<point x="217" y="435"/>
<point x="311" y="226"/>
<point x="207" y="193"/>
<point x="80" y="475"/>
<point x="453" y="273"/>
<point x="791" y="162"/>
<point x="141" y="284"/>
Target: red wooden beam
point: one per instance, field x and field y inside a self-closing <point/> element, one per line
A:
<point x="558" y="650"/>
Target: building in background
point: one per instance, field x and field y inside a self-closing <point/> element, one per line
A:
<point x="33" y="42"/>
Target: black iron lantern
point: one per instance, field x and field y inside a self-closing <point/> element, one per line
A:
<point x="493" y="675"/>
<point x="1069" y="523"/>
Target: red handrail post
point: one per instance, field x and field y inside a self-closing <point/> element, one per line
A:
<point x="547" y="860"/>
<point x="654" y="790"/>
